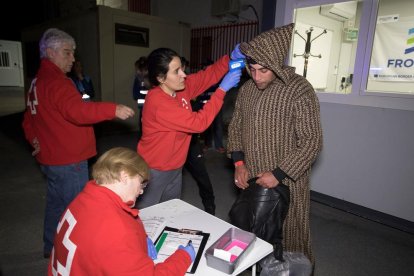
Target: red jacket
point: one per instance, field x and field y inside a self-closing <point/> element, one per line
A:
<point x="100" y="235"/>
<point x="60" y="119"/>
<point x="168" y="122"/>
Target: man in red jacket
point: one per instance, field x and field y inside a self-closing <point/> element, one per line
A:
<point x="100" y="234"/>
<point x="58" y="124"/>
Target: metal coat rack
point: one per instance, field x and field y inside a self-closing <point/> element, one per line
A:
<point x="307" y="53"/>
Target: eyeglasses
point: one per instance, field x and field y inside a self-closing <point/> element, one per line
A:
<point x="144" y="184"/>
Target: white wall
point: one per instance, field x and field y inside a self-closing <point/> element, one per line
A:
<point x="327" y="45"/>
<point x="367" y="158"/>
<point x="337" y="55"/>
<point x="117" y="60"/>
<point x="11" y="68"/>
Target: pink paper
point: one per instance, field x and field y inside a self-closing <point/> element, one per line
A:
<point x="235" y="243"/>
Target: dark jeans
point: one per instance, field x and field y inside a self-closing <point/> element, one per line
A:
<point x="197" y="168"/>
<point x="63" y="184"/>
<point x="162" y="186"/>
<point x="140" y="107"/>
<point x="215" y="132"/>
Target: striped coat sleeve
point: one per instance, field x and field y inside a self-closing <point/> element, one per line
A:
<point x="308" y="131"/>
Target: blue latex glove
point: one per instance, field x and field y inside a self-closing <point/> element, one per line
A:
<point x="189" y="249"/>
<point x="236" y="54"/>
<point x="230" y="80"/>
<point x="152" y="252"/>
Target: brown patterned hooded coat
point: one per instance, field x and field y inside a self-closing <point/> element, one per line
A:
<point x="279" y="127"/>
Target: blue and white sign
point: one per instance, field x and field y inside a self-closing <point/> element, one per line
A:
<point x="393" y="51"/>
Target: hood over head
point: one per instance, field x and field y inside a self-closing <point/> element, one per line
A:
<point x="270" y="49"/>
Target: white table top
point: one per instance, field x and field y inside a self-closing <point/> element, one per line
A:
<point x="180" y="214"/>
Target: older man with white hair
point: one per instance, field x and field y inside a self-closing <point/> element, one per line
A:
<point x="58" y="124"/>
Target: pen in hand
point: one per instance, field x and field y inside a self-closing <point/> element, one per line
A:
<point x="189" y="249"/>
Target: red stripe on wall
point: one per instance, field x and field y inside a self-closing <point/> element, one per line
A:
<point x="141" y="6"/>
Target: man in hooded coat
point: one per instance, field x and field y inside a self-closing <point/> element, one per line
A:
<point x="275" y="133"/>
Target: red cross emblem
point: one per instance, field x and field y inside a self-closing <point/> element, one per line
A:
<point x="32" y="97"/>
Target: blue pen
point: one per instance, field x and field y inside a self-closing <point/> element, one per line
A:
<point x="189" y="242"/>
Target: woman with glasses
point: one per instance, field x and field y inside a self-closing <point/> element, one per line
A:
<point x="101" y="234"/>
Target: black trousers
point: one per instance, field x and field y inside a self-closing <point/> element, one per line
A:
<point x="197" y="168"/>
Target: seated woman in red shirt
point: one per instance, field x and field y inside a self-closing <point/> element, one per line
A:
<point x="100" y="234"/>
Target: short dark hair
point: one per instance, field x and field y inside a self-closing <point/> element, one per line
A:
<point x="158" y="64"/>
<point x="141" y="63"/>
<point x="250" y="60"/>
<point x="184" y="61"/>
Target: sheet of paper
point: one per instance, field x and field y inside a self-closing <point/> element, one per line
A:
<point x="169" y="242"/>
<point x="154" y="226"/>
<point x="222" y="254"/>
<point x="235" y="250"/>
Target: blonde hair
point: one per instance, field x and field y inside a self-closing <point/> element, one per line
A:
<point x="109" y="166"/>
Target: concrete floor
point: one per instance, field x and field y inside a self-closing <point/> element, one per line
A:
<point x="344" y="244"/>
<point x="11" y="100"/>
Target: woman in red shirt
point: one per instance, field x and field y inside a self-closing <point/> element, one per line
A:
<point x="100" y="233"/>
<point x="168" y="120"/>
